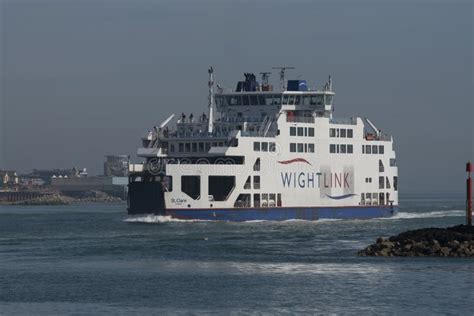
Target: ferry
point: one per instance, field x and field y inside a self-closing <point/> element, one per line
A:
<point x="260" y="153"/>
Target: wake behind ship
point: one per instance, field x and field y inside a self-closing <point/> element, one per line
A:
<point x="260" y="154"/>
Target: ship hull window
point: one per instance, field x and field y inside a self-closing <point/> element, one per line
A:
<point x="243" y="200"/>
<point x="220" y="187"/>
<point x="191" y="185"/>
<point x="256" y="200"/>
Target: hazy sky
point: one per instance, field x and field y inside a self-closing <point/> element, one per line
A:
<point x="81" y="79"/>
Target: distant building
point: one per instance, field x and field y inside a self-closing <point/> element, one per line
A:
<point x="47" y="174"/>
<point x="116" y="165"/>
<point x="9" y="178"/>
<point x="27" y="181"/>
<point x="116" y="186"/>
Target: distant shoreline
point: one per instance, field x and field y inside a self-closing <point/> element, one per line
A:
<point x="61" y="198"/>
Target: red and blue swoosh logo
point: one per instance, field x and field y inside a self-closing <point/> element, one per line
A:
<point x="340" y="197"/>
<point x="287" y="162"/>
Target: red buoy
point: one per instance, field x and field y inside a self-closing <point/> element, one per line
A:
<point x="469" y="169"/>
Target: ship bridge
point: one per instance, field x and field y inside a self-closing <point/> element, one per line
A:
<point x="252" y="109"/>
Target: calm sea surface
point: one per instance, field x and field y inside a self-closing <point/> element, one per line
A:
<point x="94" y="259"/>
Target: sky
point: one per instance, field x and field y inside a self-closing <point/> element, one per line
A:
<point x="80" y="79"/>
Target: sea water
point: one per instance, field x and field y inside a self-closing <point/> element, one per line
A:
<point x="94" y="259"/>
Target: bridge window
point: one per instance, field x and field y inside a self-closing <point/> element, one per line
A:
<point x="350" y="149"/>
<point x="297" y="100"/>
<point x="300" y="148"/>
<point x="311" y="132"/>
<point x="285" y="99"/>
<point x="332" y="132"/>
<point x="245" y="100"/>
<point x="306" y="100"/>
<point x="253" y="100"/>
<point x="332" y="148"/>
<point x="316" y="100"/>
<point x="375" y="149"/>
<point x="265" y="147"/>
<point x="220" y="187"/>
<point x="311" y="148"/>
<point x="300" y="131"/>
<point x="350" y="133"/>
<point x="191" y="185"/>
<point x="291" y="99"/>
<point x="328" y="99"/>
<point x="381" y="149"/>
<point x="368" y="149"/>
<point x="343" y="149"/>
<point x="276" y="99"/>
<point x="268" y="100"/>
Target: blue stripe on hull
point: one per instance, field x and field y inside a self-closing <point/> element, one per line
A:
<point x="281" y="214"/>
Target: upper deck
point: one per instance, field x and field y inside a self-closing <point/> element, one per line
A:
<point x="251" y="110"/>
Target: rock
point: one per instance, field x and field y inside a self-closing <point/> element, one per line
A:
<point x="457" y="241"/>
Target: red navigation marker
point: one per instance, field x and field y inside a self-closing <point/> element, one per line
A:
<point x="469" y="169"/>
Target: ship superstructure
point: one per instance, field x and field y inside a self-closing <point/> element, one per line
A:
<point x="264" y="154"/>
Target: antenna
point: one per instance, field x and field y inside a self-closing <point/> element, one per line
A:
<point x="265" y="76"/>
<point x="282" y="76"/>
<point x="210" y="125"/>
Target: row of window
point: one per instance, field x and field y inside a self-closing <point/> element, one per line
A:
<point x="341" y="149"/>
<point x="301" y="148"/>
<point x="316" y="99"/>
<point x="373" y="149"/>
<point x="302" y="131"/>
<point x="264" y="146"/>
<point x="375" y="198"/>
<point x="255" y="99"/>
<point x="341" y="132"/>
<point x="194" y="147"/>
<point x="259" y="200"/>
<point x="273" y="99"/>
<point x="256" y="182"/>
<point x="384" y="183"/>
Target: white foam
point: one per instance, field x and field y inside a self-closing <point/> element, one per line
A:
<point x="150" y="219"/>
<point x="434" y="214"/>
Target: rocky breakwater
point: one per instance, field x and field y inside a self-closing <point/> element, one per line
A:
<point x="457" y="241"/>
